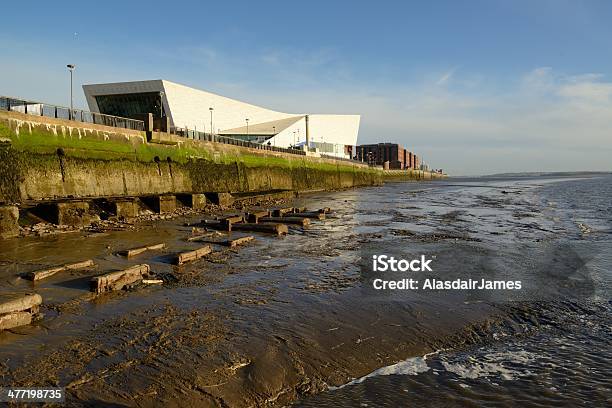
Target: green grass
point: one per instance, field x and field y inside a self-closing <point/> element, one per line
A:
<point x="40" y="140"/>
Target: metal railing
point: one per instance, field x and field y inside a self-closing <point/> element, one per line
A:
<point x="197" y="135"/>
<point x="329" y="156"/>
<point x="61" y="112"/>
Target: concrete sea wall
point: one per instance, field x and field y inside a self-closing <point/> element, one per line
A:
<point x="43" y="158"/>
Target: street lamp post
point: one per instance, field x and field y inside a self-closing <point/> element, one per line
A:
<point x="274" y="134"/>
<point x="161" y="104"/>
<point x="247" y="127"/>
<point x="161" y="111"/>
<point x="212" y="129"/>
<point x="71" y="68"/>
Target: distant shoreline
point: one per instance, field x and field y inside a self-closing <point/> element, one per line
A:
<point x="548" y="174"/>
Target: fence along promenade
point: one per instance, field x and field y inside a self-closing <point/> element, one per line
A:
<point x="61" y="112"/>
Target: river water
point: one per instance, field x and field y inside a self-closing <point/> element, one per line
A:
<point x="293" y="320"/>
<point x="561" y="354"/>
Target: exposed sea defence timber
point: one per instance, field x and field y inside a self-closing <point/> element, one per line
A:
<point x="44" y="158"/>
<point x="18" y="310"/>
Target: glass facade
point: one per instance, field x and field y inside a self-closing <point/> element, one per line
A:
<point x="133" y="105"/>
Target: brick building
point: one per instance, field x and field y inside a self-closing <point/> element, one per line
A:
<point x="397" y="156"/>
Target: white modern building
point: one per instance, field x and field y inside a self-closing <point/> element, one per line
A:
<point x="193" y="109"/>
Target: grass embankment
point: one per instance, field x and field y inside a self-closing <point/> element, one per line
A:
<point x="98" y="145"/>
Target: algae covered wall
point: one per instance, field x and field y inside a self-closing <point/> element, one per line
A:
<point x="44" y="158"/>
<point x="10" y="175"/>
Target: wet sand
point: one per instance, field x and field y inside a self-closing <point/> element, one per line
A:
<point x="266" y="324"/>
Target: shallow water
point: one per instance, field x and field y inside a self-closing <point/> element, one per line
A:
<point x="563" y="357"/>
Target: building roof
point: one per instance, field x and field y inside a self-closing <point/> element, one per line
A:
<point x="270" y="128"/>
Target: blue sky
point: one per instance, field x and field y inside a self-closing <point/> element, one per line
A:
<point x="475" y="87"/>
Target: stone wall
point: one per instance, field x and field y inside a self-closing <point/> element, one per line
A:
<point x="30" y="176"/>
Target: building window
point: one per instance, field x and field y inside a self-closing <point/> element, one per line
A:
<point x="133" y="106"/>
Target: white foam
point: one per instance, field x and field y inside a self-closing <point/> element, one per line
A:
<point x="478" y="370"/>
<point x="491" y="365"/>
<point x="411" y="366"/>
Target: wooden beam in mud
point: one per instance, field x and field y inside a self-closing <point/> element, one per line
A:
<point x="221" y="225"/>
<point x="15" y="319"/>
<point x="137" y="251"/>
<point x="20" y="303"/>
<point x="152" y="281"/>
<point x="228" y="222"/>
<point x="238" y="241"/>
<point x="18" y="310"/>
<point x="189" y="256"/>
<point x="279" y="212"/>
<point x="316" y="215"/>
<point x="304" y="222"/>
<point x="255" y="216"/>
<point x="234" y="219"/>
<point x="212" y="229"/>
<point x="120" y="279"/>
<point x="278" y="229"/>
<point x="45" y="273"/>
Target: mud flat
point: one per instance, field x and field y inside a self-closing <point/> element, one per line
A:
<point x="263" y="324"/>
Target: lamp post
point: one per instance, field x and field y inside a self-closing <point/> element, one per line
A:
<point x="161" y="111"/>
<point x="212" y="129"/>
<point x="161" y="104"/>
<point x="274" y="134"/>
<point x="71" y="68"/>
<point x="247" y="127"/>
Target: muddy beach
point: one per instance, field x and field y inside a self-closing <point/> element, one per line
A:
<point x="275" y="321"/>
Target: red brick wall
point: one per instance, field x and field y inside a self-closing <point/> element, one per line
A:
<point x="397" y="156"/>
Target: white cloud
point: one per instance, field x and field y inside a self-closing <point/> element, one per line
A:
<point x="544" y="120"/>
<point x="588" y="91"/>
